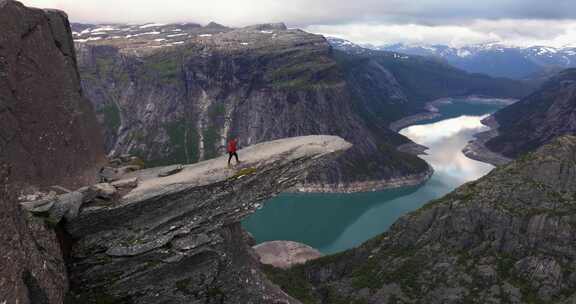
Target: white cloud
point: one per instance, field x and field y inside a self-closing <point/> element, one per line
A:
<point x="452" y="22"/>
<point x="378" y="34"/>
<point x="513" y="32"/>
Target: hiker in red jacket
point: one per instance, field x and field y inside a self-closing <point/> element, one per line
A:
<point x="232" y="148"/>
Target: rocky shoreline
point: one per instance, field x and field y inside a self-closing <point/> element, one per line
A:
<point x="477" y="150"/>
<point x="368" y="186"/>
<point x="432" y="110"/>
<point x="475" y="99"/>
<point x="413" y="148"/>
<point x="412" y="120"/>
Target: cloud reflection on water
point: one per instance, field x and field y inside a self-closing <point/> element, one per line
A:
<point x="445" y="140"/>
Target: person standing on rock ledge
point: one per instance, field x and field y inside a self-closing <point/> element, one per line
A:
<point x="232" y="148"/>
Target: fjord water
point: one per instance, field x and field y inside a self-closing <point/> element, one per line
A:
<point x="336" y="222"/>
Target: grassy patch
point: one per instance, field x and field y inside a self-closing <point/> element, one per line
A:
<point x="333" y="297"/>
<point x="211" y="133"/>
<point x="184" y="285"/>
<point x="137" y="161"/>
<point x="112" y="118"/>
<point x="183" y="140"/>
<point x="105" y="65"/>
<point x="303" y="70"/>
<point x="244" y="172"/>
<point x="216" y="111"/>
<point x="166" y="68"/>
<point x="293" y="282"/>
<point x="369" y="275"/>
<point x="327" y="260"/>
<point x="211" y="139"/>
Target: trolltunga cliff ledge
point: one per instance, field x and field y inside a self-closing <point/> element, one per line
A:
<point x="177" y="239"/>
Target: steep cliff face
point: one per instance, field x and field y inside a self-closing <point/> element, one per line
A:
<point x="177" y="238"/>
<point x="32" y="268"/>
<point x="537" y="119"/>
<point x="180" y="103"/>
<point x="48" y="135"/>
<point x="506" y="238"/>
<point x="48" y="131"/>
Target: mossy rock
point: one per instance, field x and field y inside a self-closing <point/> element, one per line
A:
<point x="137" y="161"/>
<point x="244" y="172"/>
<point x="184" y="285"/>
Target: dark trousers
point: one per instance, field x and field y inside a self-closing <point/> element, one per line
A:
<point x="233" y="154"/>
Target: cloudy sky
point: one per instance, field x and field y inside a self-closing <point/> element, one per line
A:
<point x="453" y="22"/>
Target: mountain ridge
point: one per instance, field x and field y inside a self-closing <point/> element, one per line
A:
<point x="495" y="59"/>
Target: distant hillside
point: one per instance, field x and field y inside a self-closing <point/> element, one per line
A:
<point x="395" y="85"/>
<point x="538" y="118"/>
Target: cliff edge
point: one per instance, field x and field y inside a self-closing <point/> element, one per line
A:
<point x="176" y="236"/>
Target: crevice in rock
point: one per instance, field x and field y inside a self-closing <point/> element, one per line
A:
<point x="29" y="32"/>
<point x="36" y="294"/>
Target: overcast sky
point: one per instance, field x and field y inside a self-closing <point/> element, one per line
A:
<point x="453" y="22"/>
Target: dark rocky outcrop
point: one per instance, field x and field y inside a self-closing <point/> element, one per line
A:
<point x="32" y="268"/>
<point x="538" y="118"/>
<point x="505" y="238"/>
<point x="48" y="135"/>
<point x="48" y="131"/>
<point x="178" y="239"/>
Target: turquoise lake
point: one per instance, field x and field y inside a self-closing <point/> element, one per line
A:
<point x="335" y="222"/>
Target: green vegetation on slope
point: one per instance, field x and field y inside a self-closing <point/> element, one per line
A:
<point x="292" y="282"/>
<point x="302" y="69"/>
<point x="111" y="114"/>
<point x="166" y="67"/>
<point x="183" y="140"/>
<point x="211" y="133"/>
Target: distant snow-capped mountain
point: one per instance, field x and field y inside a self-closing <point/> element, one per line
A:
<point x="353" y="48"/>
<point x="494" y="59"/>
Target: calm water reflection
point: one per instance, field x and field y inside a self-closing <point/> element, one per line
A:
<point x="335" y="222"/>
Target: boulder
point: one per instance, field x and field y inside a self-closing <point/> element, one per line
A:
<point x="170" y="171"/>
<point x="104" y="190"/>
<point x="285" y="254"/>
<point x="127" y="183"/>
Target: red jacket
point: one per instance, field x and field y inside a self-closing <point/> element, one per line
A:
<point x="232" y="146"/>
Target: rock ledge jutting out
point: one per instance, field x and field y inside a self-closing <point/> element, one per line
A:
<point x="178" y="238"/>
